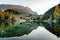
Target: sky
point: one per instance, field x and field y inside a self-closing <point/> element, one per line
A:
<point x="39" y="6"/>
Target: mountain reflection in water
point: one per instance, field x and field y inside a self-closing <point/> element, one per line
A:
<point x="20" y="29"/>
<point x="16" y="29"/>
<point x="53" y="28"/>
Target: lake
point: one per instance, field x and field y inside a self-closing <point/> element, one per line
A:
<point x="29" y="31"/>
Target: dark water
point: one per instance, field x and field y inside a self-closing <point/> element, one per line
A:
<point x="29" y="31"/>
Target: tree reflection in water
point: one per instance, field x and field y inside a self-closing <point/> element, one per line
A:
<point x="53" y="28"/>
<point x="16" y="29"/>
<point x="20" y="29"/>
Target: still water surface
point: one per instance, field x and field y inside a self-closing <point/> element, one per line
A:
<point x="29" y="31"/>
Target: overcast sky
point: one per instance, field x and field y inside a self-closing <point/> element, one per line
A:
<point x="40" y="6"/>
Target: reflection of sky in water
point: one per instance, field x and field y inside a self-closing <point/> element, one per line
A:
<point x="38" y="34"/>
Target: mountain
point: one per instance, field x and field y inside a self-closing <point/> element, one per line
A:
<point x="49" y="13"/>
<point x="19" y="8"/>
<point x="54" y="12"/>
